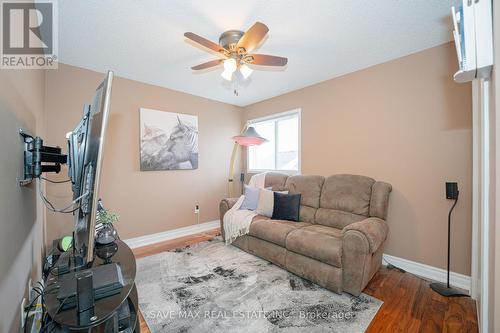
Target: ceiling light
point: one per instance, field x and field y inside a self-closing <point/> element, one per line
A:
<point x="245" y="71"/>
<point x="230" y="65"/>
<point x="236" y="58"/>
<point x="227" y="75"/>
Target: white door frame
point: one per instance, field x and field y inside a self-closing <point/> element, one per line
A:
<point x="481" y="201"/>
<point x="476" y="190"/>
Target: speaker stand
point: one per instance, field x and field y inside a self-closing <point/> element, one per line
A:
<point x="446" y="291"/>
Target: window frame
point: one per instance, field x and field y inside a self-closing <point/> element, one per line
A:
<point x="274" y="117"/>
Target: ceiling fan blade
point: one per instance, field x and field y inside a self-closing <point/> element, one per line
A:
<point x="204" y="42"/>
<point x="251" y="39"/>
<point x="267" y="60"/>
<point x="207" y="64"/>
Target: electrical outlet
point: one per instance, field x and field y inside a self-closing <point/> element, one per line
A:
<point x="197" y="209"/>
<point x="23" y="311"/>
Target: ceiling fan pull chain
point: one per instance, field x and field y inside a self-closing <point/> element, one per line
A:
<point x="235" y="87"/>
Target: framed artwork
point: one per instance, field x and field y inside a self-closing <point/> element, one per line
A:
<point x="169" y="140"/>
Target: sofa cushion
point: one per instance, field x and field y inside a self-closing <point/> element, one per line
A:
<point x="286" y="206"/>
<point x="274" y="231"/>
<point x="317" y="243"/>
<point x="325" y="275"/>
<point x="308" y="186"/>
<point x="336" y="218"/>
<point x="334" y="232"/>
<point x="276" y="181"/>
<point x="306" y="214"/>
<point x="265" y="205"/>
<point x="310" y="189"/>
<point x="349" y="193"/>
<point x="251" y="198"/>
<point x="260" y="217"/>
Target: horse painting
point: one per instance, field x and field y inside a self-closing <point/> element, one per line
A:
<point x="175" y="148"/>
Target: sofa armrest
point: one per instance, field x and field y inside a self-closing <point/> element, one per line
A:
<point x="373" y="229"/>
<point x="224" y="206"/>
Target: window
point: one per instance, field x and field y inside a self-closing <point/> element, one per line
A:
<point x="282" y="150"/>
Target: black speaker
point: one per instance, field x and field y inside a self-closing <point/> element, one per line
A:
<point x="84" y="290"/>
<point x="451" y="190"/>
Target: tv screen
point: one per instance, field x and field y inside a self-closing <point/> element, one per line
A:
<point x="85" y="148"/>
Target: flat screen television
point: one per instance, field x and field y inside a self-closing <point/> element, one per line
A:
<point x="85" y="155"/>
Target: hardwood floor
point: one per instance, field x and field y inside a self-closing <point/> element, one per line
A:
<point x="409" y="303"/>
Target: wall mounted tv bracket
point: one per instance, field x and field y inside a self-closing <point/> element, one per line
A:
<point x="39" y="158"/>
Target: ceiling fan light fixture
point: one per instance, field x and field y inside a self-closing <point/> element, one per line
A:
<point x="227" y="75"/>
<point x="245" y="71"/>
<point x="230" y="65"/>
<point x="236" y="48"/>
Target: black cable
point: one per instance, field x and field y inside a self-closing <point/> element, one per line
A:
<point x="391" y="266"/>
<point x="38" y="290"/>
<point x="28" y="309"/>
<point x="61" y="305"/>
<point x="56" y="181"/>
<point x="46" y="326"/>
<point x="64" y="210"/>
<point x="43" y="306"/>
<point x="51" y="291"/>
<point x="46" y="265"/>
<point x="53" y="323"/>
<point x="51" y="207"/>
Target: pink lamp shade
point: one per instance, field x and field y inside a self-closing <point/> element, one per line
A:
<point x="249" y="138"/>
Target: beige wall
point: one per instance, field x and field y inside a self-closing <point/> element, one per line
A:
<point x="405" y="122"/>
<point x="147" y="202"/>
<point x="21" y="212"/>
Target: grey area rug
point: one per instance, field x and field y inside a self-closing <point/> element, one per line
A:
<point x="211" y="287"/>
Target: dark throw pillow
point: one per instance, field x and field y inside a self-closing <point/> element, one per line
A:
<point x="286" y="206"/>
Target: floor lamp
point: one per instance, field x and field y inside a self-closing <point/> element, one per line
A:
<point x="248" y="137"/>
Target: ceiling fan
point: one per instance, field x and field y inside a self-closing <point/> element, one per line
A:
<point x="235" y="49"/>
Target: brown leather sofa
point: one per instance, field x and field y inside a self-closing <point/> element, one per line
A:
<point x="339" y="240"/>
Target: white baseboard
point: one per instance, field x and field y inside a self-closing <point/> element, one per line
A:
<point x="171" y="234"/>
<point x="429" y="272"/>
<point x="425" y="271"/>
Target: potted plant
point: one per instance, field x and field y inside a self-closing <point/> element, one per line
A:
<point x="106" y="234"/>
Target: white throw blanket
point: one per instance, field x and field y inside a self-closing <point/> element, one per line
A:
<point x="237" y="222"/>
<point x="258" y="180"/>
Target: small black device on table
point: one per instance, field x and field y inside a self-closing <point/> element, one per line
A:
<point x="103" y="306"/>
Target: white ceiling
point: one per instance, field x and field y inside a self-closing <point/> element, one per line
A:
<point x="143" y="40"/>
